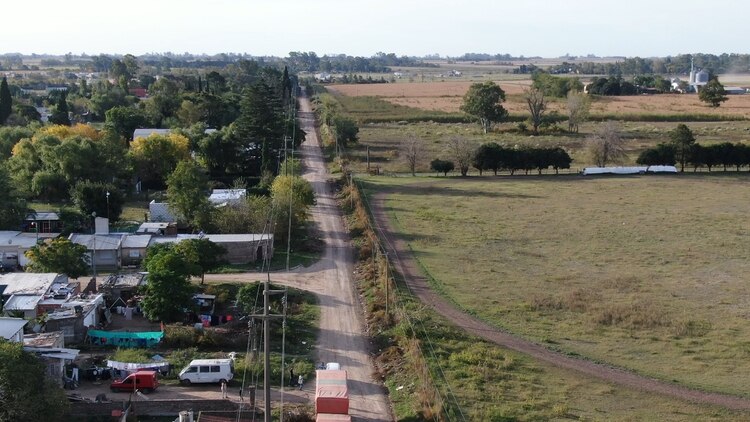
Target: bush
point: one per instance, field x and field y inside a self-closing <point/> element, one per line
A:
<point x="132" y="355"/>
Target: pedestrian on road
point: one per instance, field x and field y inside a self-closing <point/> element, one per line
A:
<point x="300" y="381"/>
<point x="240" y="393"/>
<point x="291" y="377"/>
<point x="223" y="389"/>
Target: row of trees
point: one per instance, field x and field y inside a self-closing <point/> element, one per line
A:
<point x="676" y="65"/>
<point x="491" y="156"/>
<point x="683" y="150"/>
<point x="379" y="63"/>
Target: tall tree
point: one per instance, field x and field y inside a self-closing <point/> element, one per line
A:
<point x="59" y="115"/>
<point x="12" y="208"/>
<point x="58" y="255"/>
<point x="261" y="125"/>
<point x="6" y="101"/>
<point x="168" y="292"/>
<point x="187" y="189"/>
<point x="204" y="254"/>
<point x="682" y="139"/>
<point x="124" y="120"/>
<point x="411" y="151"/>
<point x="537" y="105"/>
<point x="462" y="151"/>
<point x="578" y="105"/>
<point x="295" y="194"/>
<point x="713" y="93"/>
<point x="104" y="199"/>
<point x="156" y="157"/>
<point x="607" y="145"/>
<point x="26" y="393"/>
<point x="484" y="101"/>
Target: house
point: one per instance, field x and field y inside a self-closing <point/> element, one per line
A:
<point x="77" y="315"/>
<point x="30" y="283"/>
<point x="241" y="248"/>
<point x="133" y="249"/>
<point x="55" y="359"/>
<point x="222" y="197"/>
<point x="122" y="286"/>
<point x="160" y="211"/>
<point x="13" y="245"/>
<point x="12" y="328"/>
<point x="103" y="249"/>
<point x="43" y="222"/>
<point x="138" y="92"/>
<point x="33" y="294"/>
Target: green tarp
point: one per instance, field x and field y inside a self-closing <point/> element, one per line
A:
<point x="125" y="339"/>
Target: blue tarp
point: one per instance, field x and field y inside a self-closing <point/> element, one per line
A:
<point x="125" y="339"/>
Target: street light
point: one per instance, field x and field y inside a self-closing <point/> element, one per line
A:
<point x="107" y="207"/>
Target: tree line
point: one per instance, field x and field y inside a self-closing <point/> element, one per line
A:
<point x="494" y="157"/>
<point x="680" y="64"/>
<point x="685" y="151"/>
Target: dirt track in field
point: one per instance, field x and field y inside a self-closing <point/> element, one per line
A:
<point x="418" y="284"/>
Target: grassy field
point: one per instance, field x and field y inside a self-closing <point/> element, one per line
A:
<point x="384" y="140"/>
<point x="646" y="273"/>
<point x="494" y="384"/>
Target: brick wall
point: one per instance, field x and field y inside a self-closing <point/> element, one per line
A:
<point x="153" y="407"/>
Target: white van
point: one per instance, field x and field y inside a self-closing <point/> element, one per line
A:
<point x="207" y="371"/>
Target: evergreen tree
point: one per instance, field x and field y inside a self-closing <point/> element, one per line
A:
<point x="60" y="115"/>
<point x="261" y="125"/>
<point x="6" y="102"/>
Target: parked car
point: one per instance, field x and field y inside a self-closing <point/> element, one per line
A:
<point x="144" y="381"/>
<point x="207" y="371"/>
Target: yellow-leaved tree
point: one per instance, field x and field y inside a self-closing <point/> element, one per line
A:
<point x="156" y="156"/>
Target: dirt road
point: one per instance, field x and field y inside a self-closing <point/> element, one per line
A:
<point x="418" y="284"/>
<point x="341" y="324"/>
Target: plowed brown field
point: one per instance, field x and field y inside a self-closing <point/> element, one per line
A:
<point x="447" y="96"/>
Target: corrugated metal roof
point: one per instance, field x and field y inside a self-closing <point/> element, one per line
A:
<point x="29" y="283"/>
<point x="10" y="326"/>
<point x="136" y="240"/>
<point x="102" y="242"/>
<point x="216" y="238"/>
<point x="22" y="302"/>
<point x="43" y="216"/>
<point x="144" y="133"/>
<point x="5" y="236"/>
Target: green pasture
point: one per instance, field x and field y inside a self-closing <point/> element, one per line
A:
<point x="490" y="383"/>
<point x="644" y="273"/>
<point x="385" y="139"/>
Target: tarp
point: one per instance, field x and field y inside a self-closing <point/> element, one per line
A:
<point x="331" y="392"/>
<point x="132" y="367"/>
<point x="125" y="339"/>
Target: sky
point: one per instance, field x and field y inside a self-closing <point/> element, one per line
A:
<point x="546" y="28"/>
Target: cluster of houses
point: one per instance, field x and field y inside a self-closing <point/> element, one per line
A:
<point x="55" y="310"/>
<point x="113" y="251"/>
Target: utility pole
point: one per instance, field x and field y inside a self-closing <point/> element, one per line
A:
<point x="266" y="317"/>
